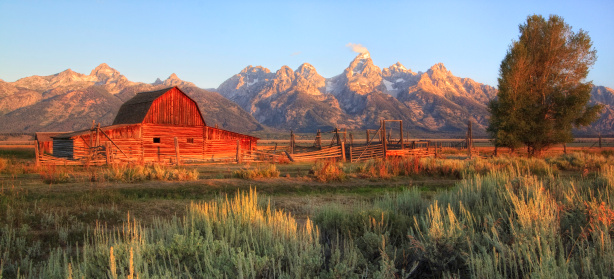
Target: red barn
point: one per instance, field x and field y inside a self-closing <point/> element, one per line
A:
<point x="146" y="128"/>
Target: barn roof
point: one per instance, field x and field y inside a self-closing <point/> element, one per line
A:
<point x="47" y="136"/>
<point x="134" y="110"/>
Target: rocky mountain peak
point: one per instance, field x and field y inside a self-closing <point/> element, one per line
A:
<point x="254" y="70"/>
<point x="399" y="66"/>
<point x="364" y="55"/>
<point x="362" y="65"/>
<point x="284" y="72"/>
<point x="103" y="72"/>
<point x="174" y="80"/>
<point x="67" y="73"/>
<point x="307" y="71"/>
<point x="438" y="70"/>
<point x="363" y="77"/>
<point x="173" y="76"/>
<point x="158" y="82"/>
<point x="397" y="69"/>
<point x="305" y="68"/>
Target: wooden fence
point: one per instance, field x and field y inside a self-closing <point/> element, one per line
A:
<point x="17" y="144"/>
<point x="363" y="153"/>
<point x="333" y="152"/>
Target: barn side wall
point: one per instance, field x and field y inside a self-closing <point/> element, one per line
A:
<point x="215" y="134"/>
<point x="126" y="143"/>
<point x="189" y="140"/>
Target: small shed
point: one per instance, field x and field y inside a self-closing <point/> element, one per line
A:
<point x="45" y="141"/>
<point x="155" y="126"/>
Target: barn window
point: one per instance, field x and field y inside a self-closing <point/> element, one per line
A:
<point x="190" y="140"/>
<point x="156" y="140"/>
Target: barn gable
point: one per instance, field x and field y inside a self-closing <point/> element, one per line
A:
<point x="168" y="106"/>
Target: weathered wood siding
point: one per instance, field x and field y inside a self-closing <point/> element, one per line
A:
<point x="165" y="149"/>
<point x="63" y="148"/>
<point x="127" y="138"/>
<point x="174" y="108"/>
<point x="45" y="147"/>
<point x="215" y="134"/>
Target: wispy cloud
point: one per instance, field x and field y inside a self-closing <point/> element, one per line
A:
<point x="295" y="53"/>
<point x="357" y="47"/>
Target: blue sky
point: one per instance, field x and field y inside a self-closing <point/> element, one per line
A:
<point x="207" y="42"/>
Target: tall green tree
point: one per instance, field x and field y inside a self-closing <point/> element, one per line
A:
<point x="542" y="89"/>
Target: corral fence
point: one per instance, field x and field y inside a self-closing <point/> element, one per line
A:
<point x="342" y="146"/>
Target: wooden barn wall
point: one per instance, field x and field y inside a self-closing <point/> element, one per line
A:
<point x="174" y="108"/>
<point x="63" y="148"/>
<point x="45" y="147"/>
<point x="165" y="149"/>
<point x="127" y="138"/>
<point x="136" y="142"/>
<point x="215" y="134"/>
<point x="220" y="149"/>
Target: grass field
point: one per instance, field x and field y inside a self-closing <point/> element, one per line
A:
<point x="500" y="217"/>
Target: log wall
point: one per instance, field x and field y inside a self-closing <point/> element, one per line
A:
<point x="165" y="149"/>
<point x="246" y="142"/>
<point x="154" y="142"/>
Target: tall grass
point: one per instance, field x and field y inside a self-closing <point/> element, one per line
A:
<point x="135" y="173"/>
<point x="226" y="238"/>
<point x="266" y="171"/>
<point x="519" y="220"/>
<point x="129" y="173"/>
<point x="506" y="224"/>
<point x="453" y="168"/>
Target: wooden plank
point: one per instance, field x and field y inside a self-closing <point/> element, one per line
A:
<point x="36" y="153"/>
<point x="177" y="152"/>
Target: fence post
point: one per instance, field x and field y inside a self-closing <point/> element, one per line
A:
<point x="350" y="153"/>
<point x="343" y="151"/>
<point x="238" y="151"/>
<point x="37" y="153"/>
<point x="599" y="140"/>
<point x="564" y="148"/>
<point x="384" y="131"/>
<point x="291" y="142"/>
<point x="108" y="151"/>
<point x="402" y="142"/>
<point x="319" y="140"/>
<point x="177" y="151"/>
<point x="98" y="135"/>
<point x="436" y="147"/>
<point x="469" y="139"/>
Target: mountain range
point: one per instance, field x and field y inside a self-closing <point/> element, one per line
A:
<point x="434" y="102"/>
<point x="70" y="101"/>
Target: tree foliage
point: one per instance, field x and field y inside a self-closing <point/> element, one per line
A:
<point x="542" y="89"/>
